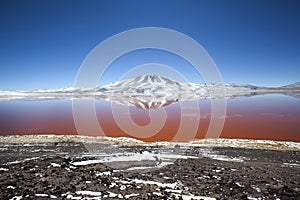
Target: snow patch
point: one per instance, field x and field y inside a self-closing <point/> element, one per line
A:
<point x="54" y="165"/>
<point x="292" y="164"/>
<point x="41" y="195"/>
<point x="16" y="198"/>
<point x="127" y="196"/>
<point x="86" y="192"/>
<point x="189" y="197"/>
<point x="160" y="159"/>
<point x="224" y="158"/>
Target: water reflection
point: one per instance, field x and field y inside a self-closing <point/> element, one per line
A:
<point x="275" y="117"/>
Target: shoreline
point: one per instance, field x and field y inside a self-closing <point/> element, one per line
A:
<point x="127" y="141"/>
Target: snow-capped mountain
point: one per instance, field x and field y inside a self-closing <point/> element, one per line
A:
<point x="152" y="92"/>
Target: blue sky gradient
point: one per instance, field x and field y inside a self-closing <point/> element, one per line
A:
<point x="43" y="43"/>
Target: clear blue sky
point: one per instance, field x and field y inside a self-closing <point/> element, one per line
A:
<point x="43" y="43"/>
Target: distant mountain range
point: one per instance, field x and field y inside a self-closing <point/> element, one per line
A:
<point x="292" y="86"/>
<point x="153" y="92"/>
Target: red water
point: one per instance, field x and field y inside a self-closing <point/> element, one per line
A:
<point x="271" y="117"/>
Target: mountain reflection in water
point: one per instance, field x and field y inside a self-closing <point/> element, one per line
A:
<point x="272" y="117"/>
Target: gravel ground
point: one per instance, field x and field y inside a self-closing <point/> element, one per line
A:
<point x="68" y="170"/>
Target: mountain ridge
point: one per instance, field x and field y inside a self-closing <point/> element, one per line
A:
<point x="153" y="92"/>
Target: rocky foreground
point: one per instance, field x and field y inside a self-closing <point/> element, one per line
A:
<point x="105" y="170"/>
